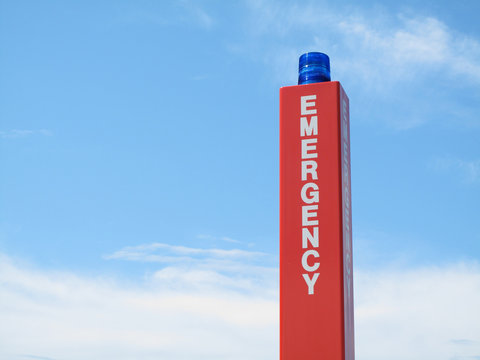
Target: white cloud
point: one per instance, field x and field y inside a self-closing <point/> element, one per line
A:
<point x="222" y="238"/>
<point x="371" y="46"/>
<point x="159" y="252"/>
<point x="400" y="70"/>
<point x="177" y="313"/>
<point x="429" y="313"/>
<point x="415" y="47"/>
<point x="63" y="316"/>
<point x="234" y="269"/>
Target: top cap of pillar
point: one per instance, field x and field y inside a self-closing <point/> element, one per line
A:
<point x="313" y="67"/>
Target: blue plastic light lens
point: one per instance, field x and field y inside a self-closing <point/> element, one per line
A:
<point x="313" y="67"/>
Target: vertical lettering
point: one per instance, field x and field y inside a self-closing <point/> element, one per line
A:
<point x="308" y="129"/>
<point x="307" y="237"/>
<point x="311" y="282"/>
<point x="305" y="104"/>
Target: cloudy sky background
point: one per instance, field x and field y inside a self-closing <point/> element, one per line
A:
<point x="139" y="175"/>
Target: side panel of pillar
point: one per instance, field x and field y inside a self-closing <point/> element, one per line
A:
<point x="347" y="226"/>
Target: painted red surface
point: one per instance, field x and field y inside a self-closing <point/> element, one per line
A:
<point x="316" y="325"/>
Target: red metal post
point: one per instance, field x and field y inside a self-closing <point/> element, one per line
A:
<point x="316" y="285"/>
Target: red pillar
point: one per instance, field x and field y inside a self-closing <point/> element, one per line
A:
<point x="316" y="285"/>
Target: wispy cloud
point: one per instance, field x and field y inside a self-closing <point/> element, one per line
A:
<point x="17" y="133"/>
<point x="221" y="238"/>
<point x="407" y="50"/>
<point x="167" y="253"/>
<point x="388" y="46"/>
<point x="469" y="170"/>
<point x="415" y="314"/>
<point x="197" y="13"/>
<point x="185" y="267"/>
<point x="395" y="65"/>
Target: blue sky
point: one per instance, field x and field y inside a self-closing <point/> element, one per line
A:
<point x="139" y="161"/>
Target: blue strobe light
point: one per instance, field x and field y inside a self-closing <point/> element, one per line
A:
<point x="313" y="67"/>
